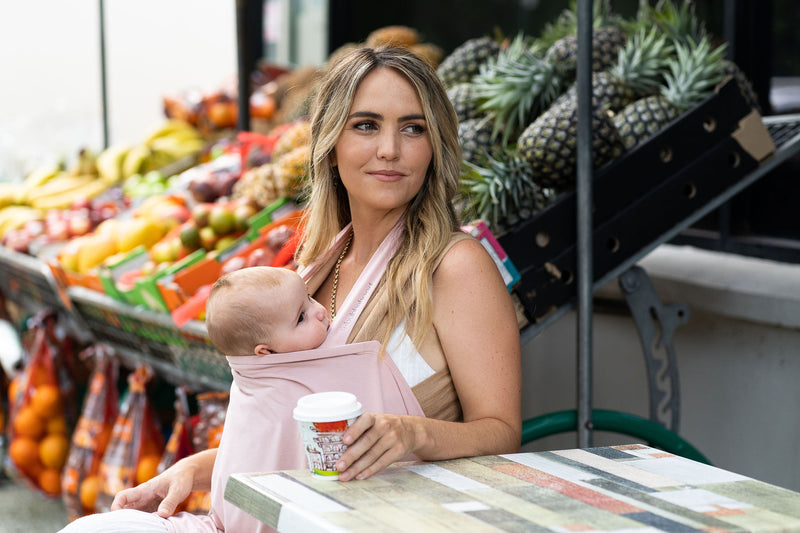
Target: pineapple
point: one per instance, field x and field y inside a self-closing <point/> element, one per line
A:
<point x="639" y="71"/>
<point x="257" y="184"/>
<point x="475" y="138"/>
<point x="402" y="36"/>
<point x="550" y="144"/>
<point x="501" y="191"/>
<point x="465" y="61"/>
<point x="682" y="25"/>
<point x="298" y="134"/>
<point x="462" y="96"/>
<point x="679" y="24"/>
<point x="694" y="73"/>
<point x="290" y="171"/>
<point x="430" y="52"/>
<point x="606" y="43"/>
<point x="516" y="87"/>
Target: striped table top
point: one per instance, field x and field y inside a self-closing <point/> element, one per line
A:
<point x="631" y="488"/>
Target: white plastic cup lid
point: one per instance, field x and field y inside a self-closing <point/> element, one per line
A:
<point x="327" y="407"/>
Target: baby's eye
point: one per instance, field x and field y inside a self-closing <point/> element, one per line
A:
<point x="301" y="317"/>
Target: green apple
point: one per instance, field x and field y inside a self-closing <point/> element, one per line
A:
<point x="222" y="219"/>
<point x="208" y="237"/>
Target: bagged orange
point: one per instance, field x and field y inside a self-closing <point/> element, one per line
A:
<point x="207" y="433"/>
<point x="41" y="409"/>
<point x="136" y="444"/>
<point x="80" y="481"/>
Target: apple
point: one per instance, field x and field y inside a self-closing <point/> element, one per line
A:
<point x="208" y="237"/>
<point x="225" y="242"/>
<point x="222" y="219"/>
<point x="242" y="214"/>
<point x="58" y="230"/>
<point x="200" y="214"/>
<point x="78" y="224"/>
<point x="234" y="263"/>
<point x="149" y="268"/>
<point x="162" y="252"/>
<point x="190" y="237"/>
<point x="260" y="257"/>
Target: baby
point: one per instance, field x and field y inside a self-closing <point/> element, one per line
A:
<point x="264" y="310"/>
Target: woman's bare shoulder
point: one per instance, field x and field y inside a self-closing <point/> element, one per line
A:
<point x="466" y="258"/>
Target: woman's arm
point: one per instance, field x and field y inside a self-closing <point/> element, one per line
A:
<point x="167" y="490"/>
<point x="477" y="328"/>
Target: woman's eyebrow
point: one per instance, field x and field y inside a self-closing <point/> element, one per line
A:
<point x="378" y="116"/>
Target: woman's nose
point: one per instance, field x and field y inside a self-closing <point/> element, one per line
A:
<point x="388" y="145"/>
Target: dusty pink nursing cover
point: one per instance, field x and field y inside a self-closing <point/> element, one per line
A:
<point x="260" y="434"/>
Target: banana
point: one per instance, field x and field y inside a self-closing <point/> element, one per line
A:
<point x="16" y="216"/>
<point x="135" y="160"/>
<point x="85" y="164"/>
<point x="169" y="127"/>
<point x="9" y="193"/>
<point x="181" y="135"/>
<point x="64" y="200"/>
<point x="109" y="163"/>
<point x="59" y="185"/>
<point x="176" y="148"/>
<point x="37" y="177"/>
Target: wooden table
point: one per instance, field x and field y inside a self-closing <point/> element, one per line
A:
<point x="631" y="488"/>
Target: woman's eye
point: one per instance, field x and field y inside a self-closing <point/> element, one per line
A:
<point x="364" y="126"/>
<point x="414" y="129"/>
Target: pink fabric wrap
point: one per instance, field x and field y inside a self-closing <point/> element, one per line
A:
<point x="260" y="434"/>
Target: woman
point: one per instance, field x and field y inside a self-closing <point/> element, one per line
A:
<point x="385" y="164"/>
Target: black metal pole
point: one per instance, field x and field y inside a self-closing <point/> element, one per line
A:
<point x="584" y="222"/>
<point x="243" y="67"/>
<point x="103" y="87"/>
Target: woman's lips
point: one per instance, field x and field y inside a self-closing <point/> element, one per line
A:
<point x="386" y="175"/>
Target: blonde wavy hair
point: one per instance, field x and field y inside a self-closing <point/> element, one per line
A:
<point x="430" y="218"/>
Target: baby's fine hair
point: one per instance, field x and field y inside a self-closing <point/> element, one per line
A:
<point x="234" y="317"/>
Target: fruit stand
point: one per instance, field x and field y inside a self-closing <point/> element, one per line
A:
<point x="196" y="198"/>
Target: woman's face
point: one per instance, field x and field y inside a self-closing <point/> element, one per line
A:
<point x="384" y="151"/>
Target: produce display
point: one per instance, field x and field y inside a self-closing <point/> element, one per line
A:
<point x="517" y="100"/>
<point x="153" y="223"/>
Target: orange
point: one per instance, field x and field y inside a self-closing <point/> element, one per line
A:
<point x="46" y="401"/>
<point x="24" y="452"/>
<point x="13" y="389"/>
<point x="104" y="437"/>
<point x="53" y="451"/>
<point x="50" y="481"/>
<point x="28" y="424"/>
<point x="56" y="424"/>
<point x="39" y="376"/>
<point x="88" y="492"/>
<point x="147" y="468"/>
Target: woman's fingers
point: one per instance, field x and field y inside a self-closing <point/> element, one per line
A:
<point x="140" y="497"/>
<point x="377" y="441"/>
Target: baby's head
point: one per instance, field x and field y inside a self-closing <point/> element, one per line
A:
<point x="261" y="310"/>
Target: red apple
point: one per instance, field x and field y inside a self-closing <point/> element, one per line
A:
<point x="79" y="225"/>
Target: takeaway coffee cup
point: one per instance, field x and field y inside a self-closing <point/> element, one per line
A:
<point x="322" y="419"/>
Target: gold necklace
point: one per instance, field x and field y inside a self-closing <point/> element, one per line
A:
<point x="336" y="275"/>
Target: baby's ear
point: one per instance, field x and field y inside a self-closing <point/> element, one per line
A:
<point x="261" y="349"/>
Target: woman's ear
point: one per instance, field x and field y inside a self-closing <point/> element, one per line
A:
<point x="261" y="349"/>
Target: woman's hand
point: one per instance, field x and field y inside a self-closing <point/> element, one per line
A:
<point x="374" y="442"/>
<point x="164" y="492"/>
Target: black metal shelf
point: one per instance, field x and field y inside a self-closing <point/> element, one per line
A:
<point x="785" y="133"/>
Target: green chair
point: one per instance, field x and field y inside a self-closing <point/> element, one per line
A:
<point x="605" y="420"/>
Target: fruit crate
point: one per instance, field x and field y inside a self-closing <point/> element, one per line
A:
<point x="641" y="200"/>
<point x="29" y="283"/>
<point x="183" y="356"/>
